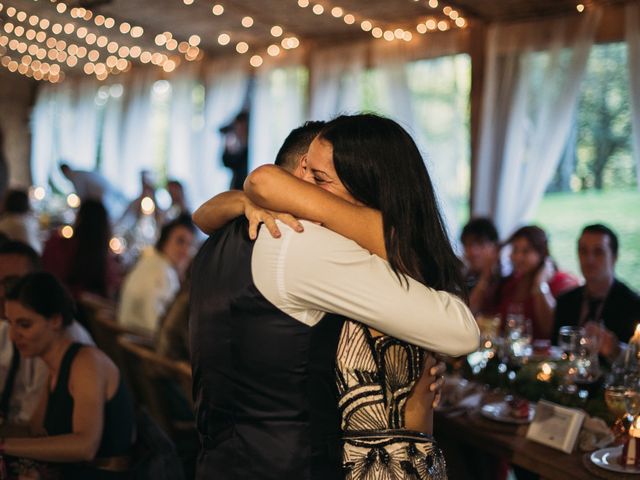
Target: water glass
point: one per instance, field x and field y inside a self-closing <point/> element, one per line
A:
<point x="518" y="334"/>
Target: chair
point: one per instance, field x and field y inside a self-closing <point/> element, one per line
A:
<point x="162" y="385"/>
<point x="89" y="304"/>
<point x="106" y="330"/>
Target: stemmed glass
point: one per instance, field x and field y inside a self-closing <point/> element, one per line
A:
<point x="518" y="334"/>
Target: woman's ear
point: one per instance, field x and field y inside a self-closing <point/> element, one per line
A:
<point x="57" y="322"/>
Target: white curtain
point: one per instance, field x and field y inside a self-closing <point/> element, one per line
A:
<point x="632" y="18"/>
<point x="112" y="134"/>
<point x="43" y="143"/>
<point x="398" y="84"/>
<point x="533" y="74"/>
<point x="136" y="146"/>
<point x="336" y="81"/>
<point x="184" y="129"/>
<point x="277" y="107"/>
<point x="65" y="128"/>
<point x="225" y="91"/>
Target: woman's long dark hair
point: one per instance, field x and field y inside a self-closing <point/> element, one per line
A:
<point x="92" y="233"/>
<point x="380" y="165"/>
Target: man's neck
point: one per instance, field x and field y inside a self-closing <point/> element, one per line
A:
<point x="599" y="288"/>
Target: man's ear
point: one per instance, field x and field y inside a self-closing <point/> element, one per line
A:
<point x="301" y="169"/>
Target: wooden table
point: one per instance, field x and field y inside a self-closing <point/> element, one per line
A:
<point x="506" y="442"/>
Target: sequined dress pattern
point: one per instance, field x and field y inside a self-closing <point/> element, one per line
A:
<point x="375" y="376"/>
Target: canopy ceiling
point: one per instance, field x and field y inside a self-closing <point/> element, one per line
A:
<point x="195" y="17"/>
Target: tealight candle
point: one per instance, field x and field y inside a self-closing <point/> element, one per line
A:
<point x="631" y="450"/>
<point x="545" y="373"/>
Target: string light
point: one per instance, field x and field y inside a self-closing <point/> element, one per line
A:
<point x="69" y="54"/>
<point x="60" y="51"/>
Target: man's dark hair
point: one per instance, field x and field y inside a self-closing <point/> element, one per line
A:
<point x="603" y="229"/>
<point x="296" y="144"/>
<point x="64" y="167"/>
<point x="16" y="201"/>
<point x="479" y="230"/>
<point x="183" y="220"/>
<point x="13" y="247"/>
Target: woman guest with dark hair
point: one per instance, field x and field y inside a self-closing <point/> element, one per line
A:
<point x="84" y="262"/>
<point x="17" y="221"/>
<point x="85" y="420"/>
<point x="155" y="279"/>
<point x="371" y="185"/>
<point x="534" y="284"/>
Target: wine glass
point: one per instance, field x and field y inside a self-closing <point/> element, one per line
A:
<point x="518" y="333"/>
<point x="569" y="340"/>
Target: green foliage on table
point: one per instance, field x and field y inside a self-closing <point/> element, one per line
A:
<point x="523" y="381"/>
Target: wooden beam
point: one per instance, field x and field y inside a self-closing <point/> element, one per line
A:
<point x="477" y="52"/>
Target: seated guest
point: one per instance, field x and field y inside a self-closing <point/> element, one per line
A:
<point x="603" y="299"/>
<point x="482" y="258"/>
<point x="17" y="221"/>
<point x="155" y="279"/>
<point x="178" y="201"/>
<point x="84" y="262"/>
<point x="173" y="333"/>
<point x="85" y="421"/>
<point x="22" y="380"/>
<point x="534" y="284"/>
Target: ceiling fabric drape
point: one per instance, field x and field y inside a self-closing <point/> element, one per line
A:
<point x="632" y="34"/>
<point x="533" y="74"/>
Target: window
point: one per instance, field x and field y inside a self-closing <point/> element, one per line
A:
<point x="596" y="181"/>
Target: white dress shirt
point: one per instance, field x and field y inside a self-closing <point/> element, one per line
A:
<point x="318" y="271"/>
<point x="146" y="293"/>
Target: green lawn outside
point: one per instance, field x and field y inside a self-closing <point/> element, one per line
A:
<point x="563" y="215"/>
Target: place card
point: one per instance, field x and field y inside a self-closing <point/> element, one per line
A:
<point x="556" y="426"/>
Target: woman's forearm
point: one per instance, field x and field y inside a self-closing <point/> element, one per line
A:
<point x="219" y="210"/>
<point x="73" y="447"/>
<point x="275" y="189"/>
<point x="544" y="307"/>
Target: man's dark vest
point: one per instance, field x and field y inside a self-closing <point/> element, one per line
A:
<point x="263" y="382"/>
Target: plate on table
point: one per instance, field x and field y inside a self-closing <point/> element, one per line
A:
<point x="501" y="412"/>
<point x="609" y="458"/>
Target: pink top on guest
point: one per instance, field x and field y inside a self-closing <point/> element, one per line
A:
<point x="505" y="300"/>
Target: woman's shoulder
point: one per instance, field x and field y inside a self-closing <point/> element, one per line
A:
<point x="91" y="361"/>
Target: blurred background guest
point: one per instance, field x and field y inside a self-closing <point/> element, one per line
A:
<point x="22" y="379"/>
<point x="178" y="201"/>
<point x="604" y="302"/>
<point x="155" y="279"/>
<point x="84" y="262"/>
<point x="17" y="220"/>
<point x="236" y="149"/>
<point x="91" y="185"/>
<point x="481" y="245"/>
<point x="533" y="286"/>
<point x="4" y="167"/>
<point x="85" y="422"/>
